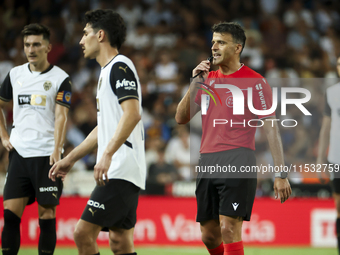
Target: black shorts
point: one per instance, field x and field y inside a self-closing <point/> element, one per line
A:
<point x="113" y="205"/>
<point x="28" y="177"/>
<point x="335" y="179"/>
<point x="226" y="196"/>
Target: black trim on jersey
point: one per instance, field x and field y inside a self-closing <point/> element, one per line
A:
<point x="48" y="69"/>
<point x="110" y="61"/>
<point x="66" y="85"/>
<point x="123" y="82"/>
<point x="328" y="110"/>
<point x="6" y="90"/>
<point x="128" y="144"/>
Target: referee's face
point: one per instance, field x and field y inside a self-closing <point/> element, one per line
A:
<point x="36" y="49"/>
<point x="223" y="48"/>
<point x="89" y="42"/>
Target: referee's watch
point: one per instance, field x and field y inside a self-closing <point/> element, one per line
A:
<point x="282" y="175"/>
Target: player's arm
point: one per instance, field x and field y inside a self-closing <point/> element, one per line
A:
<point x="59" y="132"/>
<point x="126" y="124"/>
<point x="281" y="185"/>
<point x="63" y="103"/>
<point x="324" y="139"/>
<point x="62" y="167"/>
<point x="5" y="97"/>
<point x="187" y="108"/>
<point x="3" y="128"/>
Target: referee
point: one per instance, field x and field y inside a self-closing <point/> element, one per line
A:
<point x="41" y="95"/>
<point x="224" y="203"/>
<point x="330" y="135"/>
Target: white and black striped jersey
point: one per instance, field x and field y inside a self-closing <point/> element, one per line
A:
<point x="332" y="109"/>
<point x="34" y="96"/>
<point x="118" y="81"/>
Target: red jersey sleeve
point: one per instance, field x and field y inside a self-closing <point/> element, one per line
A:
<point x="263" y="97"/>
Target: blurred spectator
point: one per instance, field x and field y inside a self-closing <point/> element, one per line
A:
<point x="183" y="152"/>
<point x="161" y="172"/>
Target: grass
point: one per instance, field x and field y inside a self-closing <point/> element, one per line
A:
<point x="197" y="251"/>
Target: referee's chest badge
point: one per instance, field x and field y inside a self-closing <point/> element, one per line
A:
<point x="47" y="85"/>
<point x="100" y="83"/>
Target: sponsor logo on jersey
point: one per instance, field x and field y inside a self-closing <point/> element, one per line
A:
<point x="47" y="85"/>
<point x="126" y="84"/>
<point x="37" y="100"/>
<point x="96" y="204"/>
<point x="48" y="189"/>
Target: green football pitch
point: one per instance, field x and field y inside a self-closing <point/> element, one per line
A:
<point x="198" y="251"/>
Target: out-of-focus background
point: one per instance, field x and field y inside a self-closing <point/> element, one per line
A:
<point x="287" y="40"/>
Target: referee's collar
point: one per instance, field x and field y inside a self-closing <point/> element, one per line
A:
<point x="47" y="70"/>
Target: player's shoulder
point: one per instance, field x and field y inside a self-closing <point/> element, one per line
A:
<point x="19" y="69"/>
<point x="59" y="72"/>
<point x="123" y="62"/>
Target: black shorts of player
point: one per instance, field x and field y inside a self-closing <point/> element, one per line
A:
<point x="226" y="196"/>
<point x="335" y="178"/>
<point x="28" y="177"/>
<point x="113" y="205"/>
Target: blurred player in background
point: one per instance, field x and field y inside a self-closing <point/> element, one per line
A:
<point x="41" y="95"/>
<point x="224" y="203"/>
<point x="120" y="171"/>
<point x="330" y="135"/>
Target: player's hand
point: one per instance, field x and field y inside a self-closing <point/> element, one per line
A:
<point x="322" y="176"/>
<point x="55" y="157"/>
<point x="6" y="143"/>
<point x="101" y="169"/>
<point x="203" y="66"/>
<point x="282" y="189"/>
<point x="60" y="169"/>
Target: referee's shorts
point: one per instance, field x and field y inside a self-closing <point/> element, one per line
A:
<point x="226" y="194"/>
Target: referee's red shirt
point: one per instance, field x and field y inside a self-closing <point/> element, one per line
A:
<point x="231" y="135"/>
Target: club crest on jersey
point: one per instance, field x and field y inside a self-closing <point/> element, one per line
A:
<point x="100" y="83"/>
<point x="68" y="97"/>
<point x="47" y="85"/>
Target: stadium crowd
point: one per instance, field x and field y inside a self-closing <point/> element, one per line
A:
<point x="290" y="42"/>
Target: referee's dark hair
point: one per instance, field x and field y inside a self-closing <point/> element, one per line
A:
<point x="36" y="29"/>
<point x="111" y="22"/>
<point x="233" y="28"/>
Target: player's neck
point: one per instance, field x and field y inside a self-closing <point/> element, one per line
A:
<point x="105" y="55"/>
<point x="231" y="67"/>
<point x="40" y="67"/>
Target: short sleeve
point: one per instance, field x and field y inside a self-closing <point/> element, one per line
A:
<point x="65" y="93"/>
<point x="263" y="97"/>
<point x="123" y="82"/>
<point x="6" y="91"/>
<point x="327" y="110"/>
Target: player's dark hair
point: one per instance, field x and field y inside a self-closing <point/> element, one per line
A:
<point x="111" y="22"/>
<point x="36" y="29"/>
<point x="233" y="28"/>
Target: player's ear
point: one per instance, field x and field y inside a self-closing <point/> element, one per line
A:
<point x="48" y="48"/>
<point x="101" y="35"/>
